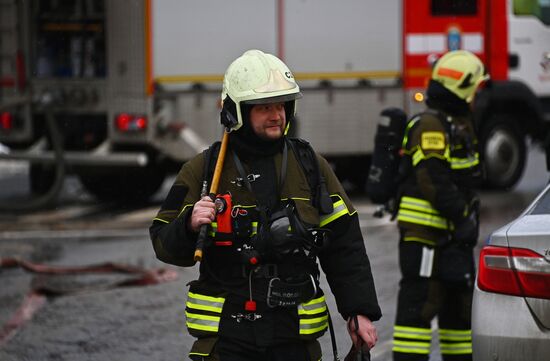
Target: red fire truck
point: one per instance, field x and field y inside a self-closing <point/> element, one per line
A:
<point x="134" y="85"/>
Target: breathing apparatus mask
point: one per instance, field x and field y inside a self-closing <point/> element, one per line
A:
<point x="283" y="234"/>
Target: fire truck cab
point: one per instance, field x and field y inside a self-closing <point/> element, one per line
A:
<point x="512" y="37"/>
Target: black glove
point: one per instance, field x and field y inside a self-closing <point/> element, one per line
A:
<point x="466" y="230"/>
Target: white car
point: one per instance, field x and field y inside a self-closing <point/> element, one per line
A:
<point x="511" y="303"/>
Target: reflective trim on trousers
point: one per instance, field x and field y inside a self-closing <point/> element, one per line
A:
<point x="415" y="333"/>
<point x="462" y="348"/>
<point x="455" y="335"/>
<point x="411" y="347"/>
<point x="407" y="339"/>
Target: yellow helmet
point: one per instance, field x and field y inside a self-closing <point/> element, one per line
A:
<point x="258" y="78"/>
<point x="461" y="72"/>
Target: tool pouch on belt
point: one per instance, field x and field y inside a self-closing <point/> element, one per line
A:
<point x="284" y="294"/>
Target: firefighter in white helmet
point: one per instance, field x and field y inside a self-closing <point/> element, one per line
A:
<point x="438" y="214"/>
<point x="278" y="210"/>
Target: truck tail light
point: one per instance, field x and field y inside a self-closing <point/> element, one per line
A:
<point x="6" y="121"/>
<point x="514" y="271"/>
<point x="129" y="123"/>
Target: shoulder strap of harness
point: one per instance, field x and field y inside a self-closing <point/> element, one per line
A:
<point x="210" y="157"/>
<point x="308" y="161"/>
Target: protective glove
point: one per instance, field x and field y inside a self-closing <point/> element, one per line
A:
<point x="466" y="230"/>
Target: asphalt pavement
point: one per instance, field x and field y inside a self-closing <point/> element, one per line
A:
<point x="119" y="316"/>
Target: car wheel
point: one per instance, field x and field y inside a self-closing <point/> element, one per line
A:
<point x="504" y="151"/>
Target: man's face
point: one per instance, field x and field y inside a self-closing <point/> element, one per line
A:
<point x="268" y="120"/>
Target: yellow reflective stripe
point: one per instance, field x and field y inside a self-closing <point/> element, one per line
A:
<point x="412" y="333"/>
<point x="314" y="306"/>
<point x="214" y="228"/>
<point x="254" y="228"/>
<point x="448" y="331"/>
<point x="411" y="347"/>
<point x="202" y="322"/>
<point x="463" y="163"/>
<point x="420" y="211"/>
<point x="203" y="302"/>
<point x="295" y="198"/>
<point x="456" y="348"/>
<point x="160" y="219"/>
<point x="417" y="156"/>
<point x="420" y="240"/>
<point x="455" y="335"/>
<point x="410" y="124"/>
<point x="313" y="325"/>
<point x="422" y="219"/>
<point x="417" y="204"/>
<point x="339" y="209"/>
<point x="184" y="208"/>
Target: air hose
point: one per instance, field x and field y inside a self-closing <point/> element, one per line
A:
<point x="49" y="197"/>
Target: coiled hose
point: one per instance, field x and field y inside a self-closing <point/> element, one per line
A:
<point x="48" y="198"/>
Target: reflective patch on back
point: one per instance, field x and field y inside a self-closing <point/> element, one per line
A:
<point x="433" y="140"/>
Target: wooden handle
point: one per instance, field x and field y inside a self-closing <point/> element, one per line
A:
<point x="213" y="190"/>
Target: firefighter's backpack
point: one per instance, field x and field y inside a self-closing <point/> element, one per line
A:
<point x="384" y="175"/>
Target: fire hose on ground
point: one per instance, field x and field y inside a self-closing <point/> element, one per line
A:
<point x="38" y="295"/>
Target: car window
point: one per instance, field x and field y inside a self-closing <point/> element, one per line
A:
<point x="451" y="7"/>
<point x="543" y="205"/>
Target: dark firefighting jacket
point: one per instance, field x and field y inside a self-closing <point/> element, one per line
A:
<point x="215" y="301"/>
<point x="442" y="168"/>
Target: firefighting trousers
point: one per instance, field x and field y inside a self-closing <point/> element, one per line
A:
<point x="227" y="349"/>
<point x="422" y="298"/>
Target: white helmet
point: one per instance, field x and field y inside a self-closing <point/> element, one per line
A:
<point x="461" y="72"/>
<point x="259" y="78"/>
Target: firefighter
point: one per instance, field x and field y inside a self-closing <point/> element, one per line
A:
<point x="438" y="215"/>
<point x="279" y="211"/>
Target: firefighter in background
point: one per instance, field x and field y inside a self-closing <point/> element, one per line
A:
<point x="258" y="295"/>
<point x="438" y="215"/>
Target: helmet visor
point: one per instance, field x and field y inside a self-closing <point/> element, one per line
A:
<point x="276" y="99"/>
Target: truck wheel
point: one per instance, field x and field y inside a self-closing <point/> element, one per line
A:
<point x="129" y="185"/>
<point x="504" y="151"/>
